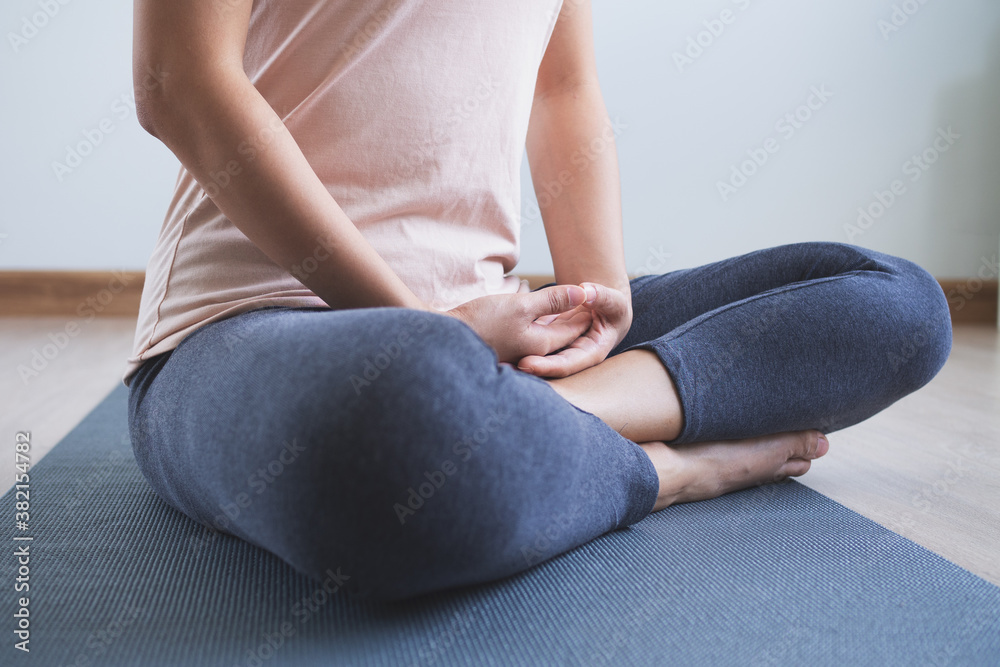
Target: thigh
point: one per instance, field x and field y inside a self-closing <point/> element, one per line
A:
<point x="385" y="441"/>
<point x="229" y="416"/>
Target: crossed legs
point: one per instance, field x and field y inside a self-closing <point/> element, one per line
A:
<point x="396" y="452"/>
<point x="773" y="349"/>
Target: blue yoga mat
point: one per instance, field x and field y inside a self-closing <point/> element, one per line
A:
<point x="778" y="574"/>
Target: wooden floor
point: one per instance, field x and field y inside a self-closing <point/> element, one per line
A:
<point x="928" y="467"/>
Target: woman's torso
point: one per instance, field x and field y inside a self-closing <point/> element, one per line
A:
<point x="413" y="114"/>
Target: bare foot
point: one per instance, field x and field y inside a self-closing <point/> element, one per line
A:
<point x="706" y="470"/>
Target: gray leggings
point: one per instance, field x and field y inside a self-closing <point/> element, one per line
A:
<point x="386" y="447"/>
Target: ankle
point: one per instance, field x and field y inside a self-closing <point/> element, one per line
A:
<point x="672" y="472"/>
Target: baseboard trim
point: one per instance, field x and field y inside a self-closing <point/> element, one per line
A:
<point x="971" y="300"/>
<point x="117" y="294"/>
<point x="71" y="293"/>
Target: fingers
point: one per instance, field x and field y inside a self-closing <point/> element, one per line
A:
<point x="584" y="352"/>
<point x="554" y="300"/>
<point x="562" y="364"/>
<point x="603" y="298"/>
<point x="546" y="339"/>
<point x="563" y="329"/>
<point x="578" y="314"/>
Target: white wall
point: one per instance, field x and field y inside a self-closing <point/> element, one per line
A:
<point x="69" y="77"/>
<point x="682" y="130"/>
<point x="686" y="126"/>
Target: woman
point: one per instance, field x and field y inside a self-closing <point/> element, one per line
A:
<point x="333" y="361"/>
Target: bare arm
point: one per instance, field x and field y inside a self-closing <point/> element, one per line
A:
<point x="574" y="169"/>
<point x="570" y="143"/>
<point x="204" y="108"/>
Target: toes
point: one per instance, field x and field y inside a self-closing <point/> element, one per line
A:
<point x="822" y="445"/>
<point x="794" y="468"/>
<point x="810" y="445"/>
<point x="815" y="446"/>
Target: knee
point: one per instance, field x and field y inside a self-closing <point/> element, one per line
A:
<point x="406" y="490"/>
<point x="925" y="328"/>
<point x="418" y="518"/>
<point x="909" y="309"/>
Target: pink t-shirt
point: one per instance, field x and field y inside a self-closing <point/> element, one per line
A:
<point x="413" y="114"/>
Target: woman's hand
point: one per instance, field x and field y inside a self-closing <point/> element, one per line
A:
<point x="508" y="322"/>
<point x="611" y="317"/>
